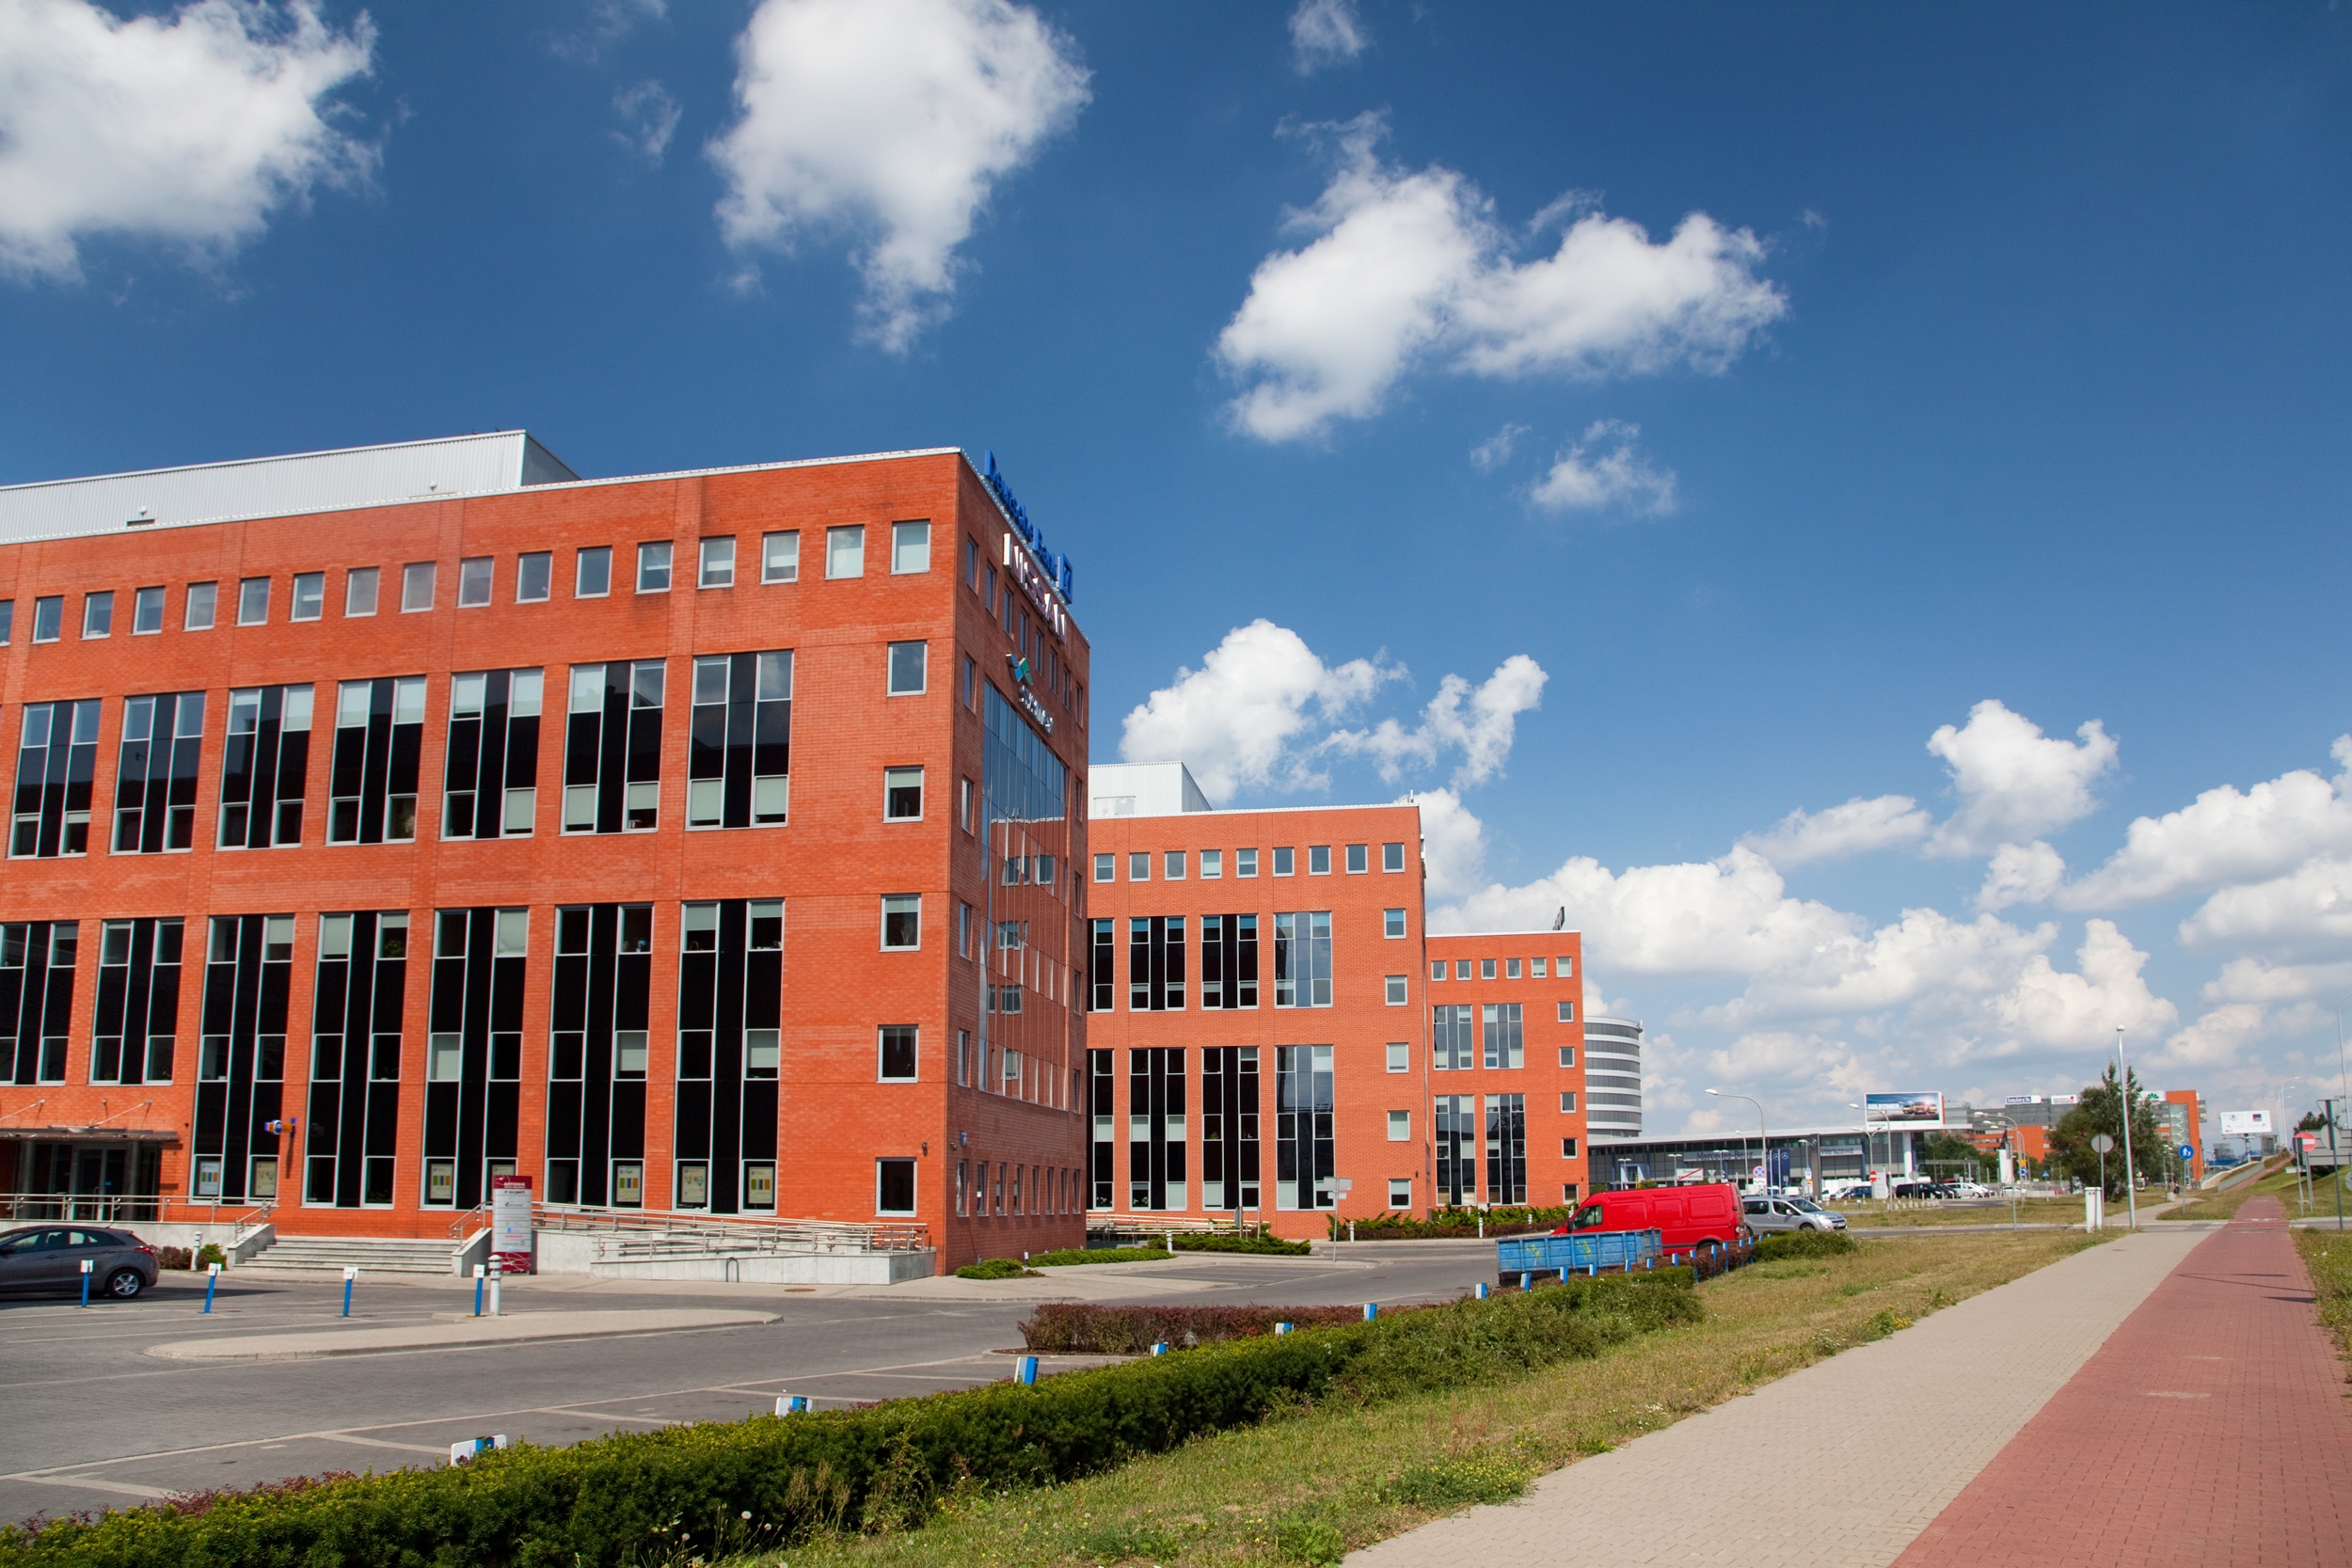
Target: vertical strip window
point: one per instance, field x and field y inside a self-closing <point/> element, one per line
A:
<point x="1156" y="1134"/>
<point x="1229" y="1128"/>
<point x="1504" y="1034"/>
<point x="1155" y="963"/>
<point x="240" y="1058"/>
<point x="1456" y="1129"/>
<point x="350" y="1143"/>
<point x="1105" y="965"/>
<point x="613" y="748"/>
<point x="1506" y="1148"/>
<point x="730" y="1019"/>
<point x="163" y="739"/>
<point x="55" y="760"/>
<point x="138" y="1006"/>
<point x="379" y="736"/>
<point x="597" y="1055"/>
<point x="1302" y="960"/>
<point x="1452" y="1037"/>
<point x="1304" y="1143"/>
<point x="37" y="961"/>
<point x="473" y="1052"/>
<point x="265" y="767"/>
<point x="490" y="772"/>
<point x="1229" y="961"/>
<point x="738" y="768"/>
<point x="1101" y="1148"/>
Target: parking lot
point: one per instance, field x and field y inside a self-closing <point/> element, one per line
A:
<point x="91" y="1416"/>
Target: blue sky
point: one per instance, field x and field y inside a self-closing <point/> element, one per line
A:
<point x="1732" y="398"/>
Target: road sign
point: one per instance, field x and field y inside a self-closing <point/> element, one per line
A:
<point x="2189" y="1151"/>
<point x="2101" y="1143"/>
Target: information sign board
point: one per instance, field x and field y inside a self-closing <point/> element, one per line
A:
<point x="510" y="1223"/>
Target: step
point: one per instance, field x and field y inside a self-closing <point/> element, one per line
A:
<point x="369" y="1253"/>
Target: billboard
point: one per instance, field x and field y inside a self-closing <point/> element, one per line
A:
<point x="1921" y="1107"/>
<point x="2242" y="1124"/>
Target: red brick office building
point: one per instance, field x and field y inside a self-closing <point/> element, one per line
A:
<point x="704" y="841"/>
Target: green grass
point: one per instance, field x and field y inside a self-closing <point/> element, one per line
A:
<point x="2032" y="1211"/>
<point x="2327" y="1254"/>
<point x="2225" y="1204"/>
<point x="1318" y="1480"/>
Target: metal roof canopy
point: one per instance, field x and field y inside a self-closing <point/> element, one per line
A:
<point x="90" y="1135"/>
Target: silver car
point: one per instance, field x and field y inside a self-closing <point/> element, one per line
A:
<point x="1768" y="1215"/>
<point x="46" y="1259"/>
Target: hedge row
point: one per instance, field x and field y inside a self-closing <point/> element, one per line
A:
<point x="773" y="1480"/>
<point x="1805" y="1243"/>
<point x="1271" y="1245"/>
<point x="1074" y="1256"/>
<point x="1064" y="1327"/>
<point x="1454" y="1223"/>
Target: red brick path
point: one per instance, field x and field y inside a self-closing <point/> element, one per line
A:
<point x="2212" y="1427"/>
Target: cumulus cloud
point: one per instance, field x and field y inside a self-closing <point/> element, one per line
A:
<point x="608" y="23"/>
<point x="1453" y="844"/>
<point x="1326" y="33"/>
<point x="2020" y="873"/>
<point x="2047" y="1007"/>
<point x="190" y="129"/>
<point x="1233" y="722"/>
<point x="2306" y="914"/>
<point x="649" y="117"/>
<point x="1480" y="723"/>
<point x="892" y="120"/>
<point x="2224" y="838"/>
<point x="1410" y="266"/>
<point x="1495" y="450"/>
<point x="1586" y="478"/>
<point x="2014" y="782"/>
<point x="1856" y="827"/>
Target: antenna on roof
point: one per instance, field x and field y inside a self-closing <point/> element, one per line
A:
<point x="1562" y="922"/>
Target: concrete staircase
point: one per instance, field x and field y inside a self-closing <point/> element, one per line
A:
<point x="373" y="1256"/>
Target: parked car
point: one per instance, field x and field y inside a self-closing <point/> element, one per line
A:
<point x="1684" y="1216"/>
<point x="1767" y="1215"/>
<point x="47" y="1258"/>
<point x="1860" y="1191"/>
<point x="1915" y="1190"/>
<point x="1973" y="1189"/>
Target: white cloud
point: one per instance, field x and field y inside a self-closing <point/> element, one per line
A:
<point x="2052" y="1010"/>
<point x="2020" y="873"/>
<point x="1453" y="844"/>
<point x="1483" y="734"/>
<point x="649" y="117"/>
<point x="2304" y="914"/>
<point x="892" y="120"/>
<point x="2217" y="1037"/>
<point x="1580" y="481"/>
<point x="1327" y="33"/>
<point x="1233" y="721"/>
<point x="2223" y="838"/>
<point x="189" y="130"/>
<point x="1406" y="267"/>
<point x="609" y="22"/>
<point x="1856" y="827"/>
<point x="1495" y="450"/>
<point x="2014" y="782"/>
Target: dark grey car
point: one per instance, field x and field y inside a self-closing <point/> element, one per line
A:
<point x="46" y="1259"/>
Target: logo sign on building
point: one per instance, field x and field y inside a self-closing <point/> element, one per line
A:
<point x="1045" y="576"/>
<point x="510" y="1222"/>
<point x="1911" y="1107"/>
<point x="2244" y="1124"/>
<point x="2025" y="1099"/>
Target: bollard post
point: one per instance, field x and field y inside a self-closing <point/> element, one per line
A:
<point x="86" y="1272"/>
<point x="1482" y="1289"/>
<point x="1159" y="1347"/>
<point x="495" y="1271"/>
<point x="1527" y="1280"/>
<point x="1282" y="1328"/>
<point x="1371" y="1310"/>
<point x="351" y="1276"/>
<point x="212" y="1282"/>
<point x="792" y="1404"/>
<point x="1025" y="1370"/>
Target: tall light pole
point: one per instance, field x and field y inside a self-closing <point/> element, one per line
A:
<point x="2124" y="1086"/>
<point x="2335" y="1168"/>
<point x="1763" y="1139"/>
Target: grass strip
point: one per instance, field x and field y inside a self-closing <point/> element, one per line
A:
<point x="1075" y="1256"/>
<point x="2327" y="1254"/>
<point x="1870" y="1215"/>
<point x="1062" y="1327"/>
<point x="1325" y="1475"/>
<point x="2223" y="1205"/>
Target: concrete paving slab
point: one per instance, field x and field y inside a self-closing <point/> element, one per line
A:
<point x="460" y="1332"/>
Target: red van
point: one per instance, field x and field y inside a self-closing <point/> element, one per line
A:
<point x="1684" y="1216"/>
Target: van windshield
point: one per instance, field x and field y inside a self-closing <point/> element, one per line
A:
<point x="1587" y="1218"/>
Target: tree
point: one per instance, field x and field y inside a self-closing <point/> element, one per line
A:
<point x="2312" y="1122"/>
<point x="2101" y="1110"/>
<point x="1945" y="1149"/>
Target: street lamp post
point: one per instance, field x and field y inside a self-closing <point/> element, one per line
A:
<point x="1763" y="1139"/>
<point x="2131" y="1190"/>
<point x="2335" y="1171"/>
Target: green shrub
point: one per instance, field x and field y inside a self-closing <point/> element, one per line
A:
<point x="209" y="1253"/>
<point x="1064" y="1327"/>
<point x="1072" y="1257"/>
<point x="1451" y="1484"/>
<point x="994" y="1267"/>
<point x="1805" y="1243"/>
<point x="1455" y="1223"/>
<point x="172" y="1258"/>
<point x="1271" y="1245"/>
<point x="1315" y="1542"/>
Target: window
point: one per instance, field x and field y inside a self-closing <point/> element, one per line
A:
<point x="1486" y="969"/>
<point x="739" y="764"/>
<point x="253" y="602"/>
<point x="1567" y="1055"/>
<point x="137" y="1004"/>
<point x="971" y="681"/>
<point x="1358" y="858"/>
<point x="1565" y="970"/>
<point x="613" y="747"/>
<point x="1400" y="1192"/>
<point x="1392" y="857"/>
<point x="1453" y="1040"/>
<point x="1392" y="923"/>
<point x="1437" y="969"/>
<point x="780" y="556"/>
<point x="972" y="565"/>
<point x="202" y="599"/>
<point x="473" y="581"/>
<point x="898" y="1053"/>
<point x="373" y="781"/>
<point x="717" y="563"/>
<point x="1302" y="960"/>
<point x="49" y="618"/>
<point x="1400" y="1127"/>
<point x="1305" y="1141"/>
<point x="1140" y="865"/>
<point x="1567" y="1012"/>
<point x="7" y="620"/>
<point x="1461" y="968"/>
<point x="963" y="803"/>
<point x="1173" y="869"/>
<point x="54" y="761"/>
<point x="1285" y="862"/>
<point x="264" y="767"/>
<point x="1155" y="963"/>
<point x="845" y="551"/>
<point x="1229" y="960"/>
<point x="910" y="547"/>
<point x="359" y="585"/>
<point x="1396" y="991"/>
<point x="1212" y="864"/>
<point x="535" y="576"/>
<point x="1506" y="1148"/>
<point x="1504" y="1035"/>
<point x="1244" y="863"/>
<point x="1568" y="1193"/>
<point x="1510" y="969"/>
<point x="416" y="581"/>
<point x="98" y="616"/>
<point x="155" y="775"/>
<point x="963" y="930"/>
<point x="147" y="613"/>
<point x="310" y="597"/>
<point x="1567" y="1148"/>
<point x="591" y="575"/>
<point x="903" y="921"/>
<point x="1106" y="868"/>
<point x="1400" y="1056"/>
<point x="653" y="566"/>
<point x="490" y="785"/>
<point x="1567" y="1102"/>
<point x="902" y="793"/>
<point x="1318" y="859"/>
<point x="894" y="1186"/>
<point x="907" y="672"/>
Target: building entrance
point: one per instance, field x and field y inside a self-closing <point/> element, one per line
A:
<point x="111" y="1183"/>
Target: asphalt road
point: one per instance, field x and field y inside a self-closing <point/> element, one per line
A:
<point x="89" y="1420"/>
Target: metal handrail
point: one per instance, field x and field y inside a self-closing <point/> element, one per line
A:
<point x="253" y="1218"/>
<point x="1122" y="1222"/>
<point x="659" y="1230"/>
<point x="468" y="1222"/>
<point x="89" y="1207"/>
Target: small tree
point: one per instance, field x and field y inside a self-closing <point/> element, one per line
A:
<point x="1943" y="1149"/>
<point x="2102" y="1111"/>
<point x="2312" y="1122"/>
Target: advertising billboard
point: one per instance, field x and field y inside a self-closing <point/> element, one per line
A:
<point x="2242" y="1124"/>
<point x="1920" y="1107"/>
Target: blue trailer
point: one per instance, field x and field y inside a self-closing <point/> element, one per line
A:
<point x="1590" y="1251"/>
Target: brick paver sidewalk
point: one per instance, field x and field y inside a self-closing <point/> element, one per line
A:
<point x="1839" y="1466"/>
<point x="2211" y="1428"/>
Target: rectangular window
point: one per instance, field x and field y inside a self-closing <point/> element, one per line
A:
<point x="55" y="759"/>
<point x="1229" y="960"/>
<point x="1454" y="1126"/>
<point x="1305" y="1144"/>
<point x="1437" y="969"/>
<point x="1156" y="1128"/>
<point x="902" y="793"/>
<point x="534" y="577"/>
<point x="147" y="613"/>
<point x="1285" y="862"/>
<point x="1302" y="960"/>
<point x="98" y="615"/>
<point x="1155" y="963"/>
<point x="910" y="547"/>
<point x="416" y="581"/>
<point x="1535" y="968"/>
<point x="897" y="1054"/>
<point x="379" y="731"/>
<point x="265" y="766"/>
<point x="1452" y="1037"/>
<point x="7" y="620"/>
<point x="1567" y="1012"/>
<point x="202" y="599"/>
<point x="1104" y="967"/>
<point x="1396" y="988"/>
<point x="1510" y="969"/>
<point x="474" y="575"/>
<point x="1400" y="1127"/>
<point x="963" y="804"/>
<point x="717" y="563"/>
<point x="1318" y="859"/>
<point x="1244" y="863"/>
<point x="1358" y="858"/>
<point x="903" y="921"/>
<point x="1401" y="1192"/>
<point x="1504" y="1037"/>
<point x="310" y="597"/>
<point x="155" y="773"/>
<point x="1567" y="1055"/>
<point x="907" y="675"/>
<point x="971" y="681"/>
<point x="653" y="566"/>
<point x="1461" y="968"/>
<point x="242" y="1052"/>
<point x="972" y="565"/>
<point x="1400" y="1056"/>
<point x="1506" y="1148"/>
<point x="490" y="775"/>
<point x="613" y="747"/>
<point x="49" y="618"/>
<point x="1139" y="865"/>
<point x="780" y="556"/>
<point x="1566" y="969"/>
<point x="138" y="1006"/>
<point x="1212" y="864"/>
<point x="845" y="551"/>
<point x="894" y="1186"/>
<point x="1106" y="868"/>
<point x="591" y="575"/>
<point x="738" y="768"/>
<point x="253" y="601"/>
<point x="1173" y="869"/>
<point x="1486" y="969"/>
<point x="1567" y="1102"/>
<point x="1392" y="923"/>
<point x="1392" y="857"/>
<point x="360" y="587"/>
<point x="963" y="930"/>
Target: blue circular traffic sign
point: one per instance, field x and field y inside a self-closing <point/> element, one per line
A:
<point x="2189" y="1151"/>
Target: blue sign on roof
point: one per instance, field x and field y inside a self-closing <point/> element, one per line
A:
<point x="1057" y="569"/>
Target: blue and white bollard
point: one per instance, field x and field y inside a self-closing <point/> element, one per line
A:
<point x="351" y="1276"/>
<point x="1159" y="1347"/>
<point x="464" y="1452"/>
<point x="1283" y="1328"/>
<point x="792" y="1404"/>
<point x="1024" y="1370"/>
<point x="1527" y="1280"/>
<point x="212" y="1283"/>
<point x="86" y="1265"/>
<point x="1482" y="1289"/>
<point x="1371" y="1310"/>
<point x="479" y="1276"/>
